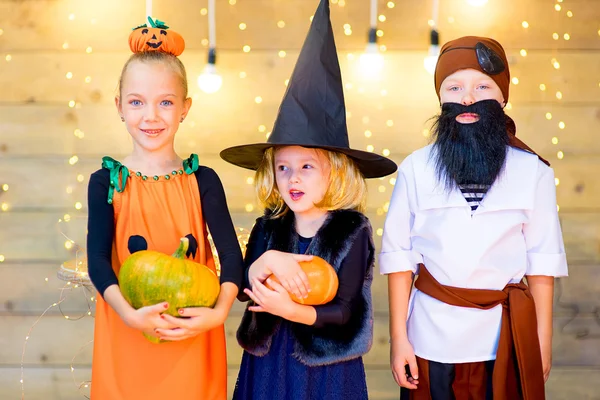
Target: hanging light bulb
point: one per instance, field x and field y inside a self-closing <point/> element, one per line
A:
<point x="434" y="41"/>
<point x="371" y="61"/>
<point x="434" y="52"/>
<point x="210" y="81"/>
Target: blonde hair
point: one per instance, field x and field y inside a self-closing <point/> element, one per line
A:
<point x="346" y="188"/>
<point x="158" y="57"/>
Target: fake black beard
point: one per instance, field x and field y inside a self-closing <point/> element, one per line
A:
<point x="470" y="153"/>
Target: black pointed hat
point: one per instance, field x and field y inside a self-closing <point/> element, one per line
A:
<point x="312" y="113"/>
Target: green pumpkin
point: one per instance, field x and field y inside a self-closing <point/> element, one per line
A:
<point x="148" y="277"/>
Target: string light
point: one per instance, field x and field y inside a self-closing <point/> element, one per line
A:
<point x="525" y="24"/>
<point x="557" y="7"/>
<point x="242" y="26"/>
<point x="523" y="53"/>
<point x="555" y="36"/>
<point x="560" y="155"/>
<point x="385" y="152"/>
<point x="8" y="57"/>
<point x="368" y="134"/>
<point x="381" y="189"/>
<point x="548" y="116"/>
<point x="5" y="187"/>
<point x="555" y="140"/>
<point x="2" y="258"/>
<point x="249" y="207"/>
<point x="515" y="80"/>
<point x="561" y="125"/>
<point x="281" y="24"/>
<point x="282" y="54"/>
<point x="570" y="14"/>
<point x="559" y="95"/>
<point x="542" y="87"/>
<point x="246" y="49"/>
<point x="4" y="207"/>
<point x="391" y="4"/>
<point x="243" y="75"/>
<point x="389" y="123"/>
<point x="370" y="148"/>
<point x="566" y="36"/>
<point x="258" y="99"/>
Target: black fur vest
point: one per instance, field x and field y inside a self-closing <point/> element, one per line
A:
<point x="330" y="344"/>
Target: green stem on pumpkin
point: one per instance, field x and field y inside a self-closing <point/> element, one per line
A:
<point x="181" y="251"/>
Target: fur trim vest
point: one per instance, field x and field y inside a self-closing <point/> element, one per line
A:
<point x="329" y="344"/>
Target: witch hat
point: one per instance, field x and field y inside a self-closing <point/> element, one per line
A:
<point x="312" y="113"/>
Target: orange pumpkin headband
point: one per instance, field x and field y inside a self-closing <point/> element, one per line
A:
<point x="156" y="37"/>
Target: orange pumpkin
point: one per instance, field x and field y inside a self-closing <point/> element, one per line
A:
<point x="322" y="279"/>
<point x="156" y="37"/>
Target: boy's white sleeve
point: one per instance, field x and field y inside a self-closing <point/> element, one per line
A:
<point x="543" y="236"/>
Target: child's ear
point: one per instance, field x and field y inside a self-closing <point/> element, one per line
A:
<point x="119" y="106"/>
<point x="187" y="104"/>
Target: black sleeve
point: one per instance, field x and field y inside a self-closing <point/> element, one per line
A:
<point x="217" y="217"/>
<point x="257" y="245"/>
<point x="101" y="230"/>
<point x="351" y="276"/>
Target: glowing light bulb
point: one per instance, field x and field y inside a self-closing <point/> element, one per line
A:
<point x="431" y="60"/>
<point x="371" y="62"/>
<point x="210" y="81"/>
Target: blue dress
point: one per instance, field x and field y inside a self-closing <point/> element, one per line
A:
<point x="279" y="376"/>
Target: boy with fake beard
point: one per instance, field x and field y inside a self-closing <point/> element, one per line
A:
<point x="472" y="214"/>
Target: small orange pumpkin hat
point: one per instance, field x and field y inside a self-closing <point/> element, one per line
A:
<point x="156" y="37"/>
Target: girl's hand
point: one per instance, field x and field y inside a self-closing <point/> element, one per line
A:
<point x="402" y="354"/>
<point x="148" y="319"/>
<point x="200" y="319"/>
<point x="286" y="269"/>
<point x="276" y="302"/>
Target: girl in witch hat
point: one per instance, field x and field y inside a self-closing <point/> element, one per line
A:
<point x="313" y="187"/>
<point x="165" y="199"/>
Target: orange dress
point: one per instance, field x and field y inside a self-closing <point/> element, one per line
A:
<point x="126" y="366"/>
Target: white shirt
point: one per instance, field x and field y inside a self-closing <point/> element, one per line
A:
<point x="515" y="231"/>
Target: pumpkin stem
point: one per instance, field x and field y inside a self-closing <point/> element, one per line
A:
<point x="181" y="251"/>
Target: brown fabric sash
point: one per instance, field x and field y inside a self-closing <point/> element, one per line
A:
<point x="518" y="348"/>
<point x="514" y="141"/>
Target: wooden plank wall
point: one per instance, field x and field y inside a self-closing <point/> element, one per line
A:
<point x="54" y="130"/>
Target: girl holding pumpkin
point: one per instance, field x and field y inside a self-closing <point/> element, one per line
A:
<point x="313" y="186"/>
<point x="149" y="202"/>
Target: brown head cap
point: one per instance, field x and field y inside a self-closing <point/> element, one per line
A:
<point x="461" y="54"/>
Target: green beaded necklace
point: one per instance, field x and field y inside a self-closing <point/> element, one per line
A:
<point x="119" y="173"/>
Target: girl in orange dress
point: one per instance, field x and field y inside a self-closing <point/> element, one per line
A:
<point x="149" y="201"/>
